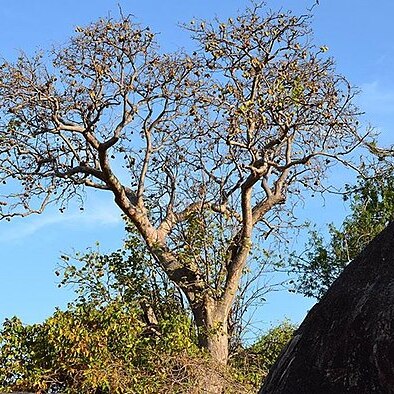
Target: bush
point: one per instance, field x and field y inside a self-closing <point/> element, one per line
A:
<point x="252" y="364"/>
<point x="91" y="350"/>
<point x="110" y="349"/>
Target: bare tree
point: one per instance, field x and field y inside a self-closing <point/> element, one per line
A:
<point x="201" y="151"/>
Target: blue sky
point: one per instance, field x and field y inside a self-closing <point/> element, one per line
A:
<point x="359" y="34"/>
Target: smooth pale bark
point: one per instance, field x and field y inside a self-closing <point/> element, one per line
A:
<point x="211" y="321"/>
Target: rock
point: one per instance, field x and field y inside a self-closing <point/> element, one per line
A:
<point x="346" y="342"/>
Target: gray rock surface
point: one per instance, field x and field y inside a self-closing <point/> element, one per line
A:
<point x="346" y="342"/>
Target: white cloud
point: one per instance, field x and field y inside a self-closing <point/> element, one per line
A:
<point x="98" y="214"/>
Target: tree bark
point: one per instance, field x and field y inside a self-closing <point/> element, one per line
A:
<point x="211" y="322"/>
<point x="216" y="341"/>
<point x="346" y="342"/>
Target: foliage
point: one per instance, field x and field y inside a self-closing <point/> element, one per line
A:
<point x="372" y="208"/>
<point x="128" y="275"/>
<point x="271" y="344"/>
<point x="253" y="363"/>
<point x="90" y="350"/>
<point x="126" y="332"/>
<point x="111" y="350"/>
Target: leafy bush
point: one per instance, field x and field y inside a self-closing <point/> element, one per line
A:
<point x="111" y="350"/>
<point x="252" y="364"/>
<point x="127" y="331"/>
<point x="90" y="350"/>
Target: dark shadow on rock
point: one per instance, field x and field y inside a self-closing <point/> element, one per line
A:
<point x="346" y="342"/>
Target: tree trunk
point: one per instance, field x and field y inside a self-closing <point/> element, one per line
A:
<point x="216" y="342"/>
<point x="211" y="322"/>
<point x="346" y="342"/>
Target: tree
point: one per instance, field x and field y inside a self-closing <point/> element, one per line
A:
<point x="372" y="207"/>
<point x="200" y="151"/>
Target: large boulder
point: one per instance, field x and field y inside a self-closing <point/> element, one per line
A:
<point x="346" y="342"/>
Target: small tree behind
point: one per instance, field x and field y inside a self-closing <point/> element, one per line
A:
<point x="372" y="208"/>
<point x="198" y="150"/>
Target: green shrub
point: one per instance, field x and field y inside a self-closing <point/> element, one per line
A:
<point x="252" y="364"/>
